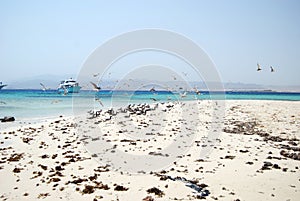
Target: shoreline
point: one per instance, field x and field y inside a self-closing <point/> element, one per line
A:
<point x="35" y="119"/>
<point x="50" y="159"/>
<point x="225" y="90"/>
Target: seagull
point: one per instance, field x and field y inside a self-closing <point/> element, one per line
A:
<point x="55" y="101"/>
<point x="43" y="87"/>
<point x="272" y="69"/>
<point x="126" y="84"/>
<point x="174" y="77"/>
<point x="182" y="95"/>
<point x="152" y="89"/>
<point x="184" y="73"/>
<point x="258" y="67"/>
<point x="97" y="74"/>
<point x="169" y="89"/>
<point x="96" y="87"/>
<point x="98" y="99"/>
<point x="197" y="91"/>
<point x="65" y="90"/>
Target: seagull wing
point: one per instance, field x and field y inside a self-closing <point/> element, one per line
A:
<point x="43" y="87"/>
<point x="258" y="67"/>
<point x="95" y="86"/>
<point x="182" y="95"/>
<point x="152" y="89"/>
<point x="196" y="90"/>
<point x="100" y="102"/>
<point x="65" y="90"/>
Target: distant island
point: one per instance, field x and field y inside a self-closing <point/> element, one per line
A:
<point x="52" y="82"/>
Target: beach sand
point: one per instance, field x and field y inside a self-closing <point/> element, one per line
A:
<point x="251" y="154"/>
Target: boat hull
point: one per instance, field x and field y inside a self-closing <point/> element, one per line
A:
<point x="1" y="86"/>
<point x="71" y="89"/>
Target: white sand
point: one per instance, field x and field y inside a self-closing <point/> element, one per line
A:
<point x="55" y="155"/>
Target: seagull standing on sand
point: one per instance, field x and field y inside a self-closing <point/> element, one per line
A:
<point x="272" y="69"/>
<point x="258" y="67"/>
<point x="96" y="87"/>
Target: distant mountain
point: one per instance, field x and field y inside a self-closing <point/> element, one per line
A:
<point x="52" y="81"/>
<point x="243" y="86"/>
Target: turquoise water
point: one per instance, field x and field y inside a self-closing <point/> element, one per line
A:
<point x="24" y="104"/>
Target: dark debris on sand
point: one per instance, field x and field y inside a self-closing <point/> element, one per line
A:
<point x="15" y="157"/>
<point x="17" y="170"/>
<point x="120" y="188"/>
<point x="156" y="191"/>
<point x="290" y="150"/>
<point x="148" y="198"/>
<point x="200" y="188"/>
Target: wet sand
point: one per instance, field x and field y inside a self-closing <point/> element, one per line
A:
<point x="253" y="155"/>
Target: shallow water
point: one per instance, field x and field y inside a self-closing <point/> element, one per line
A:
<point x="24" y="104"/>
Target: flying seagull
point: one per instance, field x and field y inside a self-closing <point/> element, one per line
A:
<point x="152" y="89"/>
<point x="184" y="73"/>
<point x="55" y="101"/>
<point x="44" y="87"/>
<point x="258" y="67"/>
<point x="182" y="95"/>
<point x="95" y="75"/>
<point x="65" y="91"/>
<point x="96" y="87"/>
<point x="98" y="99"/>
<point x="197" y="91"/>
<point x="272" y="69"/>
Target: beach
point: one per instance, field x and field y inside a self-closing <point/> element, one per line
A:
<point x="149" y="100"/>
<point x="253" y="155"/>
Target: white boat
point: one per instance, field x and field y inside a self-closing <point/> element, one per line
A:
<point x="68" y="86"/>
<point x="2" y="85"/>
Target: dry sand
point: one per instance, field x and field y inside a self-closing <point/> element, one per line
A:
<point x="253" y="155"/>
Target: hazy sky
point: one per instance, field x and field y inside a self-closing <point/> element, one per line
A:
<point x="55" y="37"/>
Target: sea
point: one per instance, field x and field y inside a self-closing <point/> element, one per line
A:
<point x="38" y="104"/>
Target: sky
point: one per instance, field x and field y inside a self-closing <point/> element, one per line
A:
<point x="56" y="37"/>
